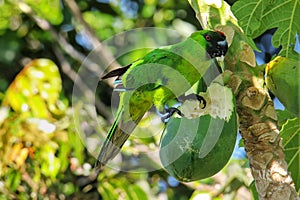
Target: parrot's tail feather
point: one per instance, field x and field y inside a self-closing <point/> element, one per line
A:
<point x="117" y="136"/>
<point x="117" y="72"/>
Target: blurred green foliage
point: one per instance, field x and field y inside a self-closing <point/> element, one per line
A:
<point x="42" y="156"/>
<point x="34" y="132"/>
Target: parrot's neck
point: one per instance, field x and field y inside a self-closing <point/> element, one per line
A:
<point x="192" y="51"/>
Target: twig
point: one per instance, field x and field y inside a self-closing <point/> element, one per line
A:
<point x="105" y="57"/>
<point x="73" y="53"/>
<point x="100" y="50"/>
<point x="67" y="69"/>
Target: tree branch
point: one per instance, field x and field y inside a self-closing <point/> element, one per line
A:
<point x="73" y="53"/>
<point x="67" y="69"/>
<point x="100" y="50"/>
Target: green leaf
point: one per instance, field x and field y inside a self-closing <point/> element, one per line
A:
<point x="7" y="14"/>
<point x="107" y="190"/>
<point x="68" y="188"/>
<point x="49" y="10"/>
<point x="282" y="78"/>
<point x="13" y="180"/>
<point x="138" y="192"/>
<point x="76" y="142"/>
<point x="283" y="116"/>
<point x="36" y="89"/>
<point x="212" y="13"/>
<point x="63" y="154"/>
<point x="257" y="16"/>
<point x="290" y="133"/>
<point x="51" y="165"/>
<point x="104" y="29"/>
<point x="254" y="191"/>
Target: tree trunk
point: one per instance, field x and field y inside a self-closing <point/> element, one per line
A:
<point x="263" y="145"/>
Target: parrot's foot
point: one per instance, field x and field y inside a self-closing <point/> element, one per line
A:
<point x="183" y="98"/>
<point x="170" y="112"/>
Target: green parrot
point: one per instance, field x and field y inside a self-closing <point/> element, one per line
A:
<point x="162" y="75"/>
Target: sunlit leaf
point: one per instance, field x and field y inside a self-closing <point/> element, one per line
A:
<point x="16" y="152"/>
<point x="257" y="16"/>
<point x="212" y="13"/>
<point x="106" y="193"/>
<point x="138" y="192"/>
<point x="103" y="29"/>
<point x="49" y="10"/>
<point x="51" y="165"/>
<point x="108" y="189"/>
<point x="20" y="160"/>
<point x="290" y="133"/>
<point x="36" y="89"/>
<point x="63" y="155"/>
<point x="14" y="180"/>
<point x="125" y="189"/>
<point x="3" y="114"/>
<point x="37" y="106"/>
<point x="77" y="143"/>
<point x="7" y="13"/>
<point x="282" y="78"/>
<point x="68" y="188"/>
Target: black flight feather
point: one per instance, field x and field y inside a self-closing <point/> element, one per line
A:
<point x="117" y="72"/>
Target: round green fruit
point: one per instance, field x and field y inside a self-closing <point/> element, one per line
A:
<point x="198" y="147"/>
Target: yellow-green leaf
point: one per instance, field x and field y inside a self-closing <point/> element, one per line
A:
<point x="49" y="10"/>
<point x="36" y="89"/>
<point x="282" y="78"/>
<point x="211" y="13"/>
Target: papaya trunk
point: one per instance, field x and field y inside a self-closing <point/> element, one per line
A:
<point x="263" y="145"/>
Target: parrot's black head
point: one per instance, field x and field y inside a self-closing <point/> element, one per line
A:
<point x="216" y="44"/>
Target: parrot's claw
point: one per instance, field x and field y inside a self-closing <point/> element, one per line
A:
<point x="170" y="112"/>
<point x="193" y="97"/>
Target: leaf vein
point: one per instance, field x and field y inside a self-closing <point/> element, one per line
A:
<point x="252" y="14"/>
<point x="293" y="158"/>
<point x="292" y="136"/>
<point x="273" y="9"/>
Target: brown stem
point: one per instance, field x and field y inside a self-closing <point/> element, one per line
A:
<point x="99" y="50"/>
<point x="67" y="69"/>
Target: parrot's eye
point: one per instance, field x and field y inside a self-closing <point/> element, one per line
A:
<point x="207" y="37"/>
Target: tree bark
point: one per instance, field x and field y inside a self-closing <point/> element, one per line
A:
<point x="263" y="144"/>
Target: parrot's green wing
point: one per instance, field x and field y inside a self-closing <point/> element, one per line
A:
<point x="133" y="104"/>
